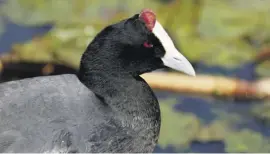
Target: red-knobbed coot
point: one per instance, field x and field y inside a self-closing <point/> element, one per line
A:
<point x="106" y="107"/>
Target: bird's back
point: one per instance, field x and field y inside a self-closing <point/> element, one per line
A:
<point x="50" y="114"/>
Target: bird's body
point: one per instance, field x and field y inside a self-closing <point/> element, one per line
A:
<point x="62" y="115"/>
<point x="106" y="107"/>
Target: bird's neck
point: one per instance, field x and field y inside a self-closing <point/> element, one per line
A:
<point x="130" y="99"/>
<point x="123" y="93"/>
<point x="118" y="89"/>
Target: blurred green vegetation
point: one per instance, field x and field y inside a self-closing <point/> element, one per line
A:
<point x="226" y="33"/>
<point x="216" y="32"/>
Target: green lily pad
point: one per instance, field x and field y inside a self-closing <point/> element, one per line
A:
<point x="263" y="69"/>
<point x="246" y="141"/>
<point x="215" y="131"/>
<point x="177" y="128"/>
<point x="261" y="112"/>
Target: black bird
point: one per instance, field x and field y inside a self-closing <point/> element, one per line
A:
<point x="106" y="107"/>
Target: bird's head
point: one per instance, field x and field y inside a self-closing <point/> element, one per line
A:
<point x="135" y="45"/>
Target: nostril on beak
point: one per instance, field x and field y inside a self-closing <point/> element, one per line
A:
<point x="177" y="59"/>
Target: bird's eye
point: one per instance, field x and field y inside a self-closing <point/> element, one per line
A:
<point x="147" y="44"/>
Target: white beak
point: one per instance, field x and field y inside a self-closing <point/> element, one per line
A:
<point x="172" y="58"/>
